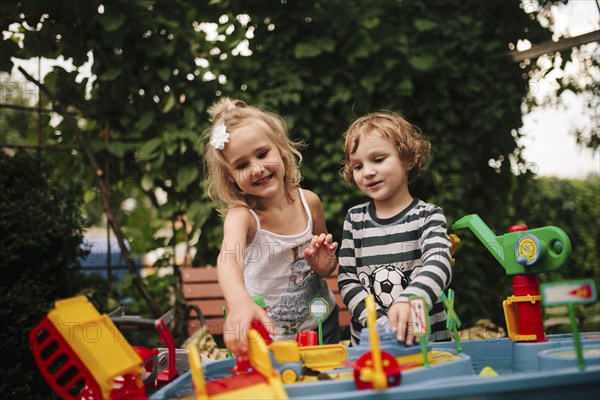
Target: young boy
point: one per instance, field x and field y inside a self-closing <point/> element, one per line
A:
<point x="393" y="246"/>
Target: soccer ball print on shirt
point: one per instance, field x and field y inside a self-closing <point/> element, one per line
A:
<point x="387" y="283"/>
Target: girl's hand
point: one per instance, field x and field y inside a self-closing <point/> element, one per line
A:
<point x="320" y="254"/>
<point x="401" y="322"/>
<point x="237" y="325"/>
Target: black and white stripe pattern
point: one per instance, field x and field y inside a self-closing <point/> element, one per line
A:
<point x="415" y="241"/>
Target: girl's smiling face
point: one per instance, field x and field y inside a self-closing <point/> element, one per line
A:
<point x="254" y="161"/>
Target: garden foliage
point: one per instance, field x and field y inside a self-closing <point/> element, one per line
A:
<point x="157" y="65"/>
<point x="41" y="231"/>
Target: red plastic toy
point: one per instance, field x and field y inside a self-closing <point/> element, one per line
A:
<point x="153" y="380"/>
<point x="307" y="338"/>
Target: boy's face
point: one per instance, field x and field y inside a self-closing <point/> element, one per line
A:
<point x="378" y="171"/>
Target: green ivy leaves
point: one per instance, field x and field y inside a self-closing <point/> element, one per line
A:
<point x="314" y="49"/>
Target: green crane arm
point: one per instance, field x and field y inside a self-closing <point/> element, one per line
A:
<point x="483" y="233"/>
<point x="523" y="252"/>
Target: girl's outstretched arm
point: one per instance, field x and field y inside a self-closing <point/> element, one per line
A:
<point x="321" y="252"/>
<point x="241" y="310"/>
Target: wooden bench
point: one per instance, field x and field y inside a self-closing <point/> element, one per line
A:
<point x="204" y="300"/>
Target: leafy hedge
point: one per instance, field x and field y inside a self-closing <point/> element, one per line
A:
<point x="573" y="205"/>
<point x="40" y="231"/>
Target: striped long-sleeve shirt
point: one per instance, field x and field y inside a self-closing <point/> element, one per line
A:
<point x="394" y="259"/>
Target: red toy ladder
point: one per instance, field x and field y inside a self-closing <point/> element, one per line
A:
<point x="59" y="365"/>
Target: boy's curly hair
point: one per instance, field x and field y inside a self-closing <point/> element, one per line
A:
<point x="413" y="149"/>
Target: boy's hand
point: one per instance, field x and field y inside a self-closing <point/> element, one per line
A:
<point x="401" y="322"/>
<point x="320" y="254"/>
<point x="237" y="325"/>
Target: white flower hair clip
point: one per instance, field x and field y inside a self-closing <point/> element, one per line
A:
<point x="219" y="137"/>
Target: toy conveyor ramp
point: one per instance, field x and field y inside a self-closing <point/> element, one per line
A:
<point x="82" y="354"/>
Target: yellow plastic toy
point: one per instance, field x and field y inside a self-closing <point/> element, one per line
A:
<point x="197" y="373"/>
<point x="262" y="383"/>
<point x="326" y="356"/>
<point x="374" y="374"/>
<point x="488" y="371"/>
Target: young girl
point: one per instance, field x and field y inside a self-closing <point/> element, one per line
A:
<point x="393" y="246"/>
<point x="275" y="242"/>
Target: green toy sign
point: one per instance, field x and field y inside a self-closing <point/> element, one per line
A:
<point x="582" y="291"/>
<point x="569" y="293"/>
<point x="319" y="309"/>
<point x="420" y="319"/>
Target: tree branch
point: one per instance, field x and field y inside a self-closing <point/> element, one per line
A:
<point x="104" y="192"/>
<point x="552" y="47"/>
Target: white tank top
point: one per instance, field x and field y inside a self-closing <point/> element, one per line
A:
<point x="275" y="268"/>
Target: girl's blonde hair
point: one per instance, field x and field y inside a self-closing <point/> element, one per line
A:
<point x="236" y="114"/>
<point x="413" y="149"/>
